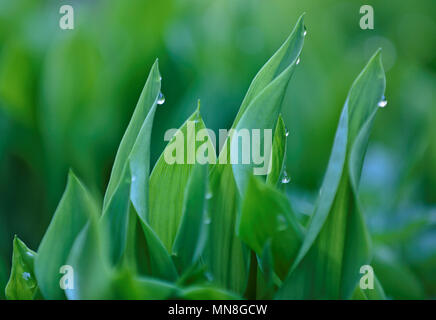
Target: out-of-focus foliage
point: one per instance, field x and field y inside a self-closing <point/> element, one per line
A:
<point x="66" y="98"/>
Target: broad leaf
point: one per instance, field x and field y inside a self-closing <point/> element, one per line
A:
<point x="168" y="178"/>
<point x="89" y="259"/>
<point x="267" y="218"/>
<point x="129" y="184"/>
<point x="337" y="243"/>
<point x="228" y="258"/>
<point x="69" y="219"/>
<point x="191" y="236"/>
<point x="148" y="98"/>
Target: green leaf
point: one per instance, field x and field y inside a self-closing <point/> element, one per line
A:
<point x="129" y="287"/>
<point x="276" y="65"/>
<point x="207" y="293"/>
<point x="261" y="107"/>
<point x="129" y="183"/>
<point x="69" y="219"/>
<point x="398" y="280"/>
<point x="278" y="153"/>
<point x="22" y="284"/>
<point x="167" y="179"/>
<point x="191" y="235"/>
<point x="147" y="100"/>
<point x="337" y="243"/>
<point x="265" y="211"/>
<point x="115" y="218"/>
<point x="89" y="258"/>
<point x="96" y="278"/>
<point x="228" y="258"/>
<point x="158" y="258"/>
<point x="377" y="293"/>
<point x="267" y="217"/>
<point x="258" y="116"/>
<point x="265" y="275"/>
<point x="160" y="262"/>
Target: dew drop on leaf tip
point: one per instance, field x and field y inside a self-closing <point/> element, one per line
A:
<point x="285" y="178"/>
<point x="161" y="98"/>
<point x="383" y="102"/>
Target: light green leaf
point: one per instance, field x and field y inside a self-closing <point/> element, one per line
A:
<point x="89" y="258"/>
<point x="278" y="153"/>
<point x="337" y="243"/>
<point x="129" y="287"/>
<point x="277" y="64"/>
<point x="228" y="258"/>
<point x="130" y="182"/>
<point x="191" y="236"/>
<point x="147" y="100"/>
<point x="376" y="293"/>
<point x="69" y="219"/>
<point x="22" y="284"/>
<point x="166" y="180"/>
<point x="115" y="218"/>
<point x="267" y="217"/>
<point x="261" y="107"/>
<point x="160" y="262"/>
<point x="207" y="293"/>
<point x="158" y="258"/>
<point x="258" y="116"/>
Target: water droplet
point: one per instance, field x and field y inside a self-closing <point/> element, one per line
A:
<point x="383" y="102"/>
<point x="305" y="31"/>
<point x="285" y="177"/>
<point x="161" y="98"/>
<point x="26" y="275"/>
<point x="298" y="60"/>
<point x="209" y="195"/>
<point x="133" y="178"/>
<point x="286" y="132"/>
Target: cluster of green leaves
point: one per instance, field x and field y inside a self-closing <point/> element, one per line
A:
<point x="213" y="231"/>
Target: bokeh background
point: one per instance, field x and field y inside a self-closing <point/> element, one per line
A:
<point x="66" y="97"/>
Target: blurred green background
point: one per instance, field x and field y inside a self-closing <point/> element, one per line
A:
<point x="66" y="97"/>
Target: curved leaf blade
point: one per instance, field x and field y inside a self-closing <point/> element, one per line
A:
<point x="22" y="284"/>
<point x="337" y="242"/>
<point x="191" y="235"/>
<point x="70" y="217"/>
